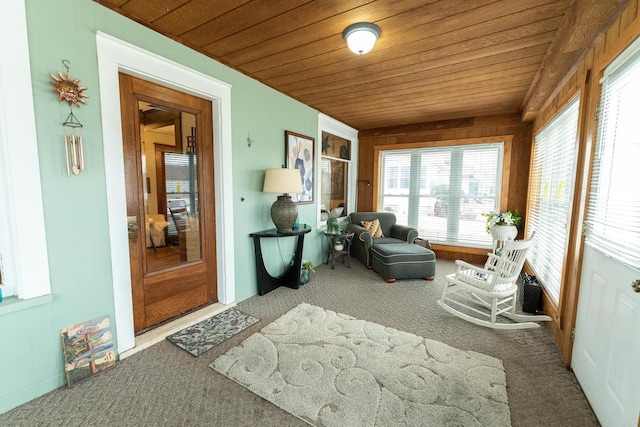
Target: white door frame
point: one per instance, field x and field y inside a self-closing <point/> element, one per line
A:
<point x="116" y="56"/>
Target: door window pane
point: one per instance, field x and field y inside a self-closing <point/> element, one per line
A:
<point x="170" y="182"/>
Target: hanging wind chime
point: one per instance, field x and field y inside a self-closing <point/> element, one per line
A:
<point x="69" y="90"/>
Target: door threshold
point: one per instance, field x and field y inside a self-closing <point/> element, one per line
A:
<point x="158" y="334"/>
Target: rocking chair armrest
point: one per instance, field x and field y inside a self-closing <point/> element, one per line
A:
<point x="466" y="266"/>
<point x="474" y="275"/>
<point x="463" y="264"/>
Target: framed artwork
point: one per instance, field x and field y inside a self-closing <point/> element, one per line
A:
<point x="88" y="349"/>
<point x="299" y="151"/>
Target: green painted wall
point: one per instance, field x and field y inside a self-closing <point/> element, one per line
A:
<point x="76" y="207"/>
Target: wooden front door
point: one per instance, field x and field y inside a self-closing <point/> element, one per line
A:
<point x="168" y="160"/>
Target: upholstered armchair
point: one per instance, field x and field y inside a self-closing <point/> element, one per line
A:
<point x="363" y="240"/>
<point x="155" y="225"/>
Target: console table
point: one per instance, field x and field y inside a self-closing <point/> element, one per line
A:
<point x="291" y="277"/>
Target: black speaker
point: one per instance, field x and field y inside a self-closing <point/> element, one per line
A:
<point x="531" y="294"/>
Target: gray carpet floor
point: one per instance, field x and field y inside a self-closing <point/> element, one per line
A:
<point x="165" y="386"/>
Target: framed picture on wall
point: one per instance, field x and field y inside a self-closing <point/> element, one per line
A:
<point x="299" y="151"/>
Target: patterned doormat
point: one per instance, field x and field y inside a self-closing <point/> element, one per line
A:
<point x="205" y="335"/>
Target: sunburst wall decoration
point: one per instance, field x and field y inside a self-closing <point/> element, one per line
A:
<point x="69" y="90"/>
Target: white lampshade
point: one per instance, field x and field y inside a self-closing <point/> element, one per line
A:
<point x="361" y="37"/>
<point x="282" y="180"/>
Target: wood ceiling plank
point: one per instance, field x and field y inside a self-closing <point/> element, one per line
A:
<point x="473" y="58"/>
<point x="401" y="45"/>
<point x="303" y="18"/>
<point x="513" y="62"/>
<point x="501" y="99"/>
<point x="396" y="32"/>
<point x="436" y="59"/>
<point x="391" y="102"/>
<point x="150" y="10"/>
<point x="377" y="74"/>
<point x="195" y="13"/>
<point x="401" y="87"/>
<point x="583" y="22"/>
<point x="398" y="118"/>
<point x="331" y="27"/>
<point x="503" y="103"/>
<point x="425" y="101"/>
<point x="436" y="91"/>
<point x="437" y="67"/>
<point x="498" y="104"/>
<point x="238" y="19"/>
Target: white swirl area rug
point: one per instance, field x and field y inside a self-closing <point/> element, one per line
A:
<point x="330" y="369"/>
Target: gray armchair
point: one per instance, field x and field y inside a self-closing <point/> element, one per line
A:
<point x="363" y="242"/>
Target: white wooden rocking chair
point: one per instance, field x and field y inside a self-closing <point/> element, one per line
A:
<point x="490" y="291"/>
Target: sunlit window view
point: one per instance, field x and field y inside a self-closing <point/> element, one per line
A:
<point x="443" y="191"/>
<point x="550" y="199"/>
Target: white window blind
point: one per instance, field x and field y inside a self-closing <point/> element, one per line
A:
<point x="443" y="191"/>
<point x="613" y="215"/>
<point x="551" y="191"/>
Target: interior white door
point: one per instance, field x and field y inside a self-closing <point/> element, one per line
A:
<point x="607" y="341"/>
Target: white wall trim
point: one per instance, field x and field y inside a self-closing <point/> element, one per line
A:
<point x="337" y="128"/>
<point x="115" y="55"/>
<point x="23" y="247"/>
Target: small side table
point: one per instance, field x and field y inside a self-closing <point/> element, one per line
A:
<point x="339" y="245"/>
<point x="291" y="277"/>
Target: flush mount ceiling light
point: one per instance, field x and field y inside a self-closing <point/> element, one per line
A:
<point x="361" y="37"/>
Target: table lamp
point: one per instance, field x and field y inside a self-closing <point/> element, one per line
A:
<point x="284" y="211"/>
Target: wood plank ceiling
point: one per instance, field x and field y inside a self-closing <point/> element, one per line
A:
<point x="435" y="60"/>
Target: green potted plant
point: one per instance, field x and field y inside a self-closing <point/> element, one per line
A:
<point x="305" y="272"/>
<point x="503" y="225"/>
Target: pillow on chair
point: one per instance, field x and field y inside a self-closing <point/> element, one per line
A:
<point x="374" y="228"/>
<point x="336" y="212"/>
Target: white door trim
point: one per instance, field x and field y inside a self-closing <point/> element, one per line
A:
<point x="115" y="56"/>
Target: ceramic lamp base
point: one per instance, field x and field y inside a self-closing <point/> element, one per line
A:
<point x="284" y="213"/>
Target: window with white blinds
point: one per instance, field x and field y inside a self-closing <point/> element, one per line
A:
<point x="613" y="215"/>
<point x="550" y="196"/>
<point x="443" y="191"/>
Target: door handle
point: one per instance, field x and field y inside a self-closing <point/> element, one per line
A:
<point x="636" y="285"/>
<point x="132" y="227"/>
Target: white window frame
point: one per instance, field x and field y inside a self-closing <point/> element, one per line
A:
<point x="334" y="127"/>
<point x="23" y="245"/>
<point x="414" y="199"/>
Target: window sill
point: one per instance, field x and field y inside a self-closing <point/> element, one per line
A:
<point x="13" y="304"/>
